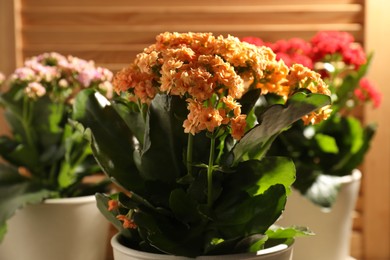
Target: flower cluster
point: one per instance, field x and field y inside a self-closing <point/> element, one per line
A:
<point x="60" y="77"/>
<point x="367" y="92"/>
<point x="213" y="73"/>
<point x="333" y="54"/>
<point x="325" y="44"/>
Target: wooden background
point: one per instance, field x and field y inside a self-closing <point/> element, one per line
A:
<point x="112" y="32"/>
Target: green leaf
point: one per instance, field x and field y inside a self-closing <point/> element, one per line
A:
<point x="132" y="116"/>
<point x="255" y="177"/>
<point x="48" y="121"/>
<point x="162" y="154"/>
<point x="112" y="144"/>
<point x="251" y="215"/>
<point x="16" y="192"/>
<point x="18" y="154"/>
<point x="183" y="206"/>
<point x="274" y="120"/>
<point x="251" y="243"/>
<point x="169" y="235"/>
<point x="288" y="232"/>
<point x="324" y="190"/>
<point x="326" y="143"/>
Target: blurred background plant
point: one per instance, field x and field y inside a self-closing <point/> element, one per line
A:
<point x="44" y="156"/>
<point x="324" y="152"/>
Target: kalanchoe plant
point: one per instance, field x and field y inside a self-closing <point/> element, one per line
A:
<point x="186" y="142"/>
<point x="324" y="152"/>
<point x="44" y="156"/>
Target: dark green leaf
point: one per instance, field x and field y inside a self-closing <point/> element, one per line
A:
<point x="18" y="154"/>
<point x="162" y="153"/>
<point x="102" y="205"/>
<point x="183" y="206"/>
<point x="112" y="144"/>
<point x="131" y="114"/>
<point x="252" y="215"/>
<point x="274" y="120"/>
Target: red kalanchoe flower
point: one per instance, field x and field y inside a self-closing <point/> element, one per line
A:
<point x="329" y="43"/>
<point x="292" y="51"/>
<point x="253" y="40"/>
<point x="368" y="92"/>
<point x="342" y="43"/>
<point x="354" y="55"/>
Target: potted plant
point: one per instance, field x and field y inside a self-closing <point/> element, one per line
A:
<point x="186" y="141"/>
<point x="327" y="155"/>
<point x="48" y="167"/>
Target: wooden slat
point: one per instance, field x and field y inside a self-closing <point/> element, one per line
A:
<point x="200" y="8"/>
<point x="81" y="3"/>
<point x="144" y="34"/>
<point x="9" y="38"/>
<point x="138" y="18"/>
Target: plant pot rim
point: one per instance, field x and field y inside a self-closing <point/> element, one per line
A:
<point x="71" y="200"/>
<point x="275" y="250"/>
<point x="355" y="175"/>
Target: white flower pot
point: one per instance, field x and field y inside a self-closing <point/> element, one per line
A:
<point x="57" y="229"/>
<point x="280" y="252"/>
<point x="332" y="228"/>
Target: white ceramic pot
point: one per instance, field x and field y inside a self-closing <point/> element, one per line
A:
<point x="332" y="228"/>
<point x="280" y="252"/>
<point x="57" y="229"/>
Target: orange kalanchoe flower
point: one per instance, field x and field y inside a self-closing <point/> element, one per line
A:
<point x="212" y="73"/>
<point x="112" y="205"/>
<point x="238" y="126"/>
<point x="127" y="223"/>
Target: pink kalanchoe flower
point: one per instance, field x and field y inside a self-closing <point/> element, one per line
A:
<point x="368" y="92"/>
<point x="23" y="74"/>
<point x="35" y="89"/>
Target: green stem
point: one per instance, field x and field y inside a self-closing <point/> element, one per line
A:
<point x="210" y="170"/>
<point x="189" y="153"/>
<point x="26" y="121"/>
